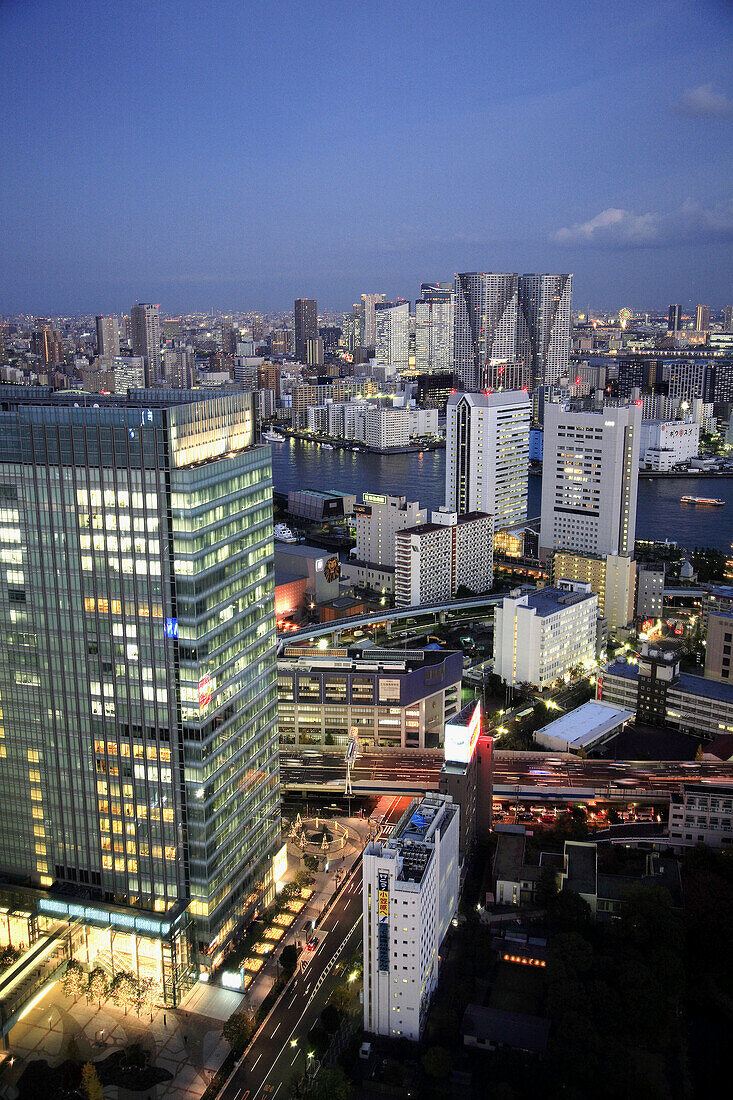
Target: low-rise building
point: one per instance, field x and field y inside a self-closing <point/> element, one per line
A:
<point x="540" y="637"/>
<point x="649" y="591"/>
<point x="664" y="444"/>
<point x="661" y="695"/>
<point x="587" y="727"/>
<point x="702" y="814"/>
<point x="498" y="1029"/>
<point x="400" y="698"/>
<point x="321" y="569"/>
<point x="410" y="894"/>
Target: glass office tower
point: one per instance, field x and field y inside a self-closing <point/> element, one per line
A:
<point x="138" y="729"/>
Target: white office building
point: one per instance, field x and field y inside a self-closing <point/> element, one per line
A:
<point x="487" y="454"/>
<point x="410" y="894"/>
<point x="664" y="444"/>
<point x="540" y="637"/>
<point x="434" y="560"/>
<point x="590" y="474"/>
<point x="129" y="371"/>
<point x="378" y="519"/>
<point x="392" y="334"/>
<point x="701" y="814"/>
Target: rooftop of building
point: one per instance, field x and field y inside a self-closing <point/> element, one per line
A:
<point x="724" y="591"/>
<point x="414" y="834"/>
<point x="19" y="396"/>
<point x="509" y="856"/>
<point x="511" y="1029"/>
<point x="492" y="400"/>
<point x="721" y="748"/>
<point x="585" y="724"/>
<point x="548" y="601"/>
<point x="322" y="494"/>
<point x="429" y="528"/>
<point x="301" y="550"/>
<point x="581" y="862"/>
<point x="370" y="659"/>
<point x="691" y="685"/>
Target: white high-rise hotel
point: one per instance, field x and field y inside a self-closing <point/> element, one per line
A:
<point x="410" y="893"/>
<point x="487" y="455"/>
<point x="590" y="479"/>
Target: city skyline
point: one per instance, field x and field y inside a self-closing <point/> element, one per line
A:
<point x="174" y="209"/>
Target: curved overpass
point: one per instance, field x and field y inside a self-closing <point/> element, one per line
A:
<point x="394" y="615"/>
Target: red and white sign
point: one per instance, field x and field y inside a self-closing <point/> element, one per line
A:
<point x="204" y="692"/>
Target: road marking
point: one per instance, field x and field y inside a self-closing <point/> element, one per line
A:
<point x="293" y="1061"/>
<point x="277" y="1091"/>
<point x="255" y="1062"/>
<point x="277" y="1025"/>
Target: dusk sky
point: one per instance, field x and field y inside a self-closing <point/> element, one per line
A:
<point x="237" y="154"/>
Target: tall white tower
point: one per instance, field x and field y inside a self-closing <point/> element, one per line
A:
<point x="487" y="454"/>
<point x="590" y="474"/>
<point x="392" y="334"/>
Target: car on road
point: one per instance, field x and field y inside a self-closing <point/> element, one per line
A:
<point x="312" y="944"/>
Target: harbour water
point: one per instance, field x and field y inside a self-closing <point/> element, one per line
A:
<point x="421" y="476"/>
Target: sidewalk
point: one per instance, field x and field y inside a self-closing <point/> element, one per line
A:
<point x="324" y="889"/>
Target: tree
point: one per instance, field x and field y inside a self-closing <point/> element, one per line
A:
<point x="330" y="1018"/>
<point x="147" y="996"/>
<point x="568" y="912"/>
<point x="97" y="986"/>
<point x="303" y="878"/>
<point x="311" y="863"/>
<point x="289" y="959"/>
<point x="437" y="1062"/>
<point x="699" y="754"/>
<point x="546" y="888"/>
<point x="74" y="980"/>
<point x="331" y="1084"/>
<point x="341" y="997"/>
<point x="90" y="1083"/>
<point x="124" y="990"/>
<point x="238" y="1031"/>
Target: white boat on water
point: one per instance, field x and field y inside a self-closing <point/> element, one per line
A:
<point x="272" y="437"/>
<point x="284" y="534"/>
<point x="327" y="446"/>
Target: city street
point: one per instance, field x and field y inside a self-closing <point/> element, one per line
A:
<point x="279" y="1051"/>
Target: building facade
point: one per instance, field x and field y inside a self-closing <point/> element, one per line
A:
<point x="378" y="519"/>
<point x="590" y="480"/>
<point x="392" y="334"/>
<point x="400" y="699"/>
<point x="434" y="331"/>
<point x="545" y="319"/>
<point x="612" y="577"/>
<point x="487" y="455"/>
<point x="138" y="673"/>
<point x="145" y="327"/>
<point x="434" y="560"/>
<point x="306" y="326"/>
<point x="485" y="318"/>
<point x="108" y="336"/>
<point x="539" y="638"/>
<point x="719" y="647"/>
<point x="410" y="894"/>
<point x="702" y="814"/>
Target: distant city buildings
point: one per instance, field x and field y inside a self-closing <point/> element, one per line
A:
<point x="108" y="336"/>
<point x="392" y="334"/>
<point x="434" y="329"/>
<point x="145" y="326"/>
<point x="306" y="326"/>
<point x="367" y="317"/>
<point x="487" y="455"/>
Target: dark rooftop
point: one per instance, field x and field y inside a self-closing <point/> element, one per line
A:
<point x="511" y="1029"/>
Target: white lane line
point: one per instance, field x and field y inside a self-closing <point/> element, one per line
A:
<point x="294" y="1060"/>
<point x="277" y="1025"/>
<point x="277" y="1091"/>
<point x="255" y="1062"/>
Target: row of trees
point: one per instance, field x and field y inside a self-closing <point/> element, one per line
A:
<point x="126" y="990"/>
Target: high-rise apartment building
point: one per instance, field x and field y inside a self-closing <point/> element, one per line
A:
<point x="314" y="356"/>
<point x="434" y="560"/>
<point x="611" y="577"/>
<point x="108" y="336"/>
<point x="434" y="329"/>
<point x="590" y="478"/>
<point x="410" y="894"/>
<point x="367" y="310"/>
<point x="545" y="319"/>
<point x="702" y="319"/>
<point x="138" y="762"/>
<point x="48" y="344"/>
<point x="306" y="326"/>
<point x="392" y="334"/>
<point x="280" y="341"/>
<point x="728" y="319"/>
<point x="484" y="323"/>
<point x="178" y="368"/>
<point x="674" y="320"/>
<point x="487" y="455"/>
<point x="145" y="324"/>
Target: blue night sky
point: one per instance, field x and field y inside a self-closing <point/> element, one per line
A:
<point x="236" y="154"/>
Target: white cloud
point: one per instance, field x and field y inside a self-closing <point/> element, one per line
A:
<point x="705" y="102"/>
<point x="619" y="228"/>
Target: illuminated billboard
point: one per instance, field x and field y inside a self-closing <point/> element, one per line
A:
<point x="461" y="736"/>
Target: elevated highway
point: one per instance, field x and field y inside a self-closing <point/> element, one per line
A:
<point x="522" y="776"/>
